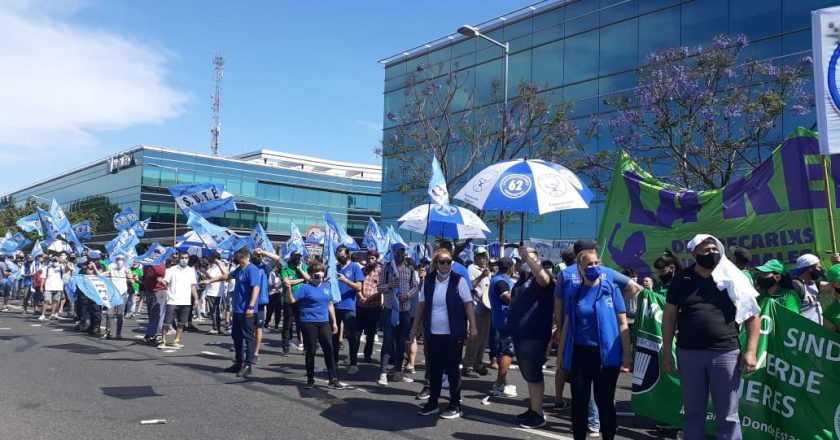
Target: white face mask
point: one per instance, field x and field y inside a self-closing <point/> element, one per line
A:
<point x="120" y="264"/>
<point x="317" y="277"/>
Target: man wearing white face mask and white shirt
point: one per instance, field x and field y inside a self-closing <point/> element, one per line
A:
<point x="181" y="282"/>
<point x="120" y="275"/>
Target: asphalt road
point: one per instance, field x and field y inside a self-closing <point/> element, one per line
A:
<point x="58" y="384"/>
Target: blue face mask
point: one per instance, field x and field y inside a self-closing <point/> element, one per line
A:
<point x="592" y="273"/>
<point x="183" y="262"/>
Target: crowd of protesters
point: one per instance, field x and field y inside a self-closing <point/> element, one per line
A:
<point x="459" y="307"/>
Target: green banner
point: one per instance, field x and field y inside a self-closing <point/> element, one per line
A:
<point x="794" y="393"/>
<point x="778" y="210"/>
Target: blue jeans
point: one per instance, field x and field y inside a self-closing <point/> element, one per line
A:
<point x="153" y="311"/>
<point x="704" y="372"/>
<point x="393" y="342"/>
<point x="242" y="332"/>
<point x="593" y="420"/>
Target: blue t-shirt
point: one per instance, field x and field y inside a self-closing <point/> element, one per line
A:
<point x="571" y="272"/>
<point x="246" y="280"/>
<point x="586" y="323"/>
<point x="348" y="296"/>
<point x="498" y="309"/>
<point x="314" y="302"/>
<point x="461" y="270"/>
<point x="266" y="273"/>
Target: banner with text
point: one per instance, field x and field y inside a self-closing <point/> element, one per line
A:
<point x="776" y="211"/>
<point x="791" y="395"/>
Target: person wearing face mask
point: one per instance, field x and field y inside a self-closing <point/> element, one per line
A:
<point x="181" y="282"/>
<point x="707" y="304"/>
<point x="246" y="294"/>
<point x="53" y="286"/>
<point x="350" y="280"/>
<point x="774" y="284"/>
<point x="120" y="275"/>
<point x="136" y="292"/>
<point x="318" y="321"/>
<point x="831" y="314"/>
<point x="667" y="265"/>
<point x="594" y="345"/>
<point x="397" y="286"/>
<point x="809" y="284"/>
<point x="445" y="308"/>
<point x="294" y="275"/>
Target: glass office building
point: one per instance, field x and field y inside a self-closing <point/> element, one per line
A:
<point x="585" y="50"/>
<point x="270" y="187"/>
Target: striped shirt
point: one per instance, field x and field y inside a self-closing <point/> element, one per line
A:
<point x="407" y="285"/>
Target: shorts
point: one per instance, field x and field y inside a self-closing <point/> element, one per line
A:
<point x="260" y="315"/>
<point x="531" y="356"/>
<point x="181" y="313"/>
<point x="408" y="332"/>
<point x="52" y="296"/>
<point x="505" y="347"/>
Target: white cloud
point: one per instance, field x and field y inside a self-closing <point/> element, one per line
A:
<point x="60" y="82"/>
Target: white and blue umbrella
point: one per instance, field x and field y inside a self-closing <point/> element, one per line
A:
<point x="527" y="186"/>
<point x="451" y="221"/>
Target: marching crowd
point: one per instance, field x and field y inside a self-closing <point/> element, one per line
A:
<point x="517" y="309"/>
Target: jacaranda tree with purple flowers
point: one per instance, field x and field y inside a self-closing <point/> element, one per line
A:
<point x="698" y="118"/>
<point x="442" y="118"/>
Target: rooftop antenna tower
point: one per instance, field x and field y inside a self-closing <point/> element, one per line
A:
<point x="216" y="98"/>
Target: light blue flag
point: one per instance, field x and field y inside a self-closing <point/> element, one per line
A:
<point x="205" y="199"/>
<point x="37" y="249"/>
<point x="82" y="230"/>
<point x="259" y="239"/>
<point x="11" y="245"/>
<point x="59" y="219"/>
<point x="375" y="238"/>
<point x="295" y="243"/>
<point x="338" y="234"/>
<point x="47" y="220"/>
<point x="437" y="185"/>
<point x="31" y="222"/>
<point x="99" y="289"/>
<point x="213" y="236"/>
<point x="156" y="254"/>
<point x="121" y="244"/>
<point x="70" y="287"/>
<point x="332" y="273"/>
<point x="125" y="219"/>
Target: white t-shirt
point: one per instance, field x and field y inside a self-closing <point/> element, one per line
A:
<point x="440" y="316"/>
<point x="120" y="279"/>
<point x="180" y="281"/>
<point x="53" y="278"/>
<point x="483" y="286"/>
<point x="214" y="289"/>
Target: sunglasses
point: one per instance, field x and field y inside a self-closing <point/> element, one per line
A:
<point x="445" y="262"/>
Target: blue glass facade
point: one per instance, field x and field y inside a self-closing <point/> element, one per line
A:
<point x="267" y="194"/>
<point x="585" y="50"/>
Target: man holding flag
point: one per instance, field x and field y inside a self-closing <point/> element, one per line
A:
<point x="350" y="279"/>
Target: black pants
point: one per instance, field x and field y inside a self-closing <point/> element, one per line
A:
<point x="95" y="314"/>
<point x="216" y="311"/>
<point x="348" y="319"/>
<point x="588" y="375"/>
<point x="275" y="306"/>
<point x="291" y="312"/>
<point x="244" y="341"/>
<point x="82" y="310"/>
<point x="366" y="321"/>
<point x="444" y="357"/>
<point x="318" y="333"/>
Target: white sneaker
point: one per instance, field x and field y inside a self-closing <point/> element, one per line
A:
<point x="52" y="317"/>
<point x="399" y="377"/>
<point x="509" y="391"/>
<point x="42" y="318"/>
<point x="383" y="380"/>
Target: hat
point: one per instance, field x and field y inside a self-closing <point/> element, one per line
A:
<point x="583" y="245"/>
<point x="505" y="264"/>
<point x="773" y="266"/>
<point x="480" y="250"/>
<point x="741" y="255"/>
<point x="833" y="274"/>
<point x="806" y="260"/>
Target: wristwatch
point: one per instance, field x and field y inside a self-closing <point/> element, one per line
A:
<point x="250" y="307"/>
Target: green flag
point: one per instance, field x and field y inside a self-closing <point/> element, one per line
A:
<point x="794" y="393"/>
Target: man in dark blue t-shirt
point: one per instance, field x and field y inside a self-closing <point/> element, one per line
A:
<point x="350" y="280"/>
<point x="246" y="294"/>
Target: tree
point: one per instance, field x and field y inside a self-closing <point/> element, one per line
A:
<point x="98" y="209"/>
<point x="442" y="118"/>
<point x="698" y="118"/>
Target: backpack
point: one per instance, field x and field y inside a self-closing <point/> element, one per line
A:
<point x="37" y="281"/>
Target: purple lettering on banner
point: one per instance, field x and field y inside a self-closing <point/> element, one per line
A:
<point x="756" y="189"/>
<point x="730" y="242"/>
<point x="667" y="211"/>
<point x="783" y="238"/>
<point x="798" y="174"/>
<point x="757" y="241"/>
<point x="742" y="242"/>
<point x="808" y="235"/>
<point x="771" y="239"/>
<point x="678" y="246"/>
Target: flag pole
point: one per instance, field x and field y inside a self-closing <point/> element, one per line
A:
<point x="828" y="205"/>
<point x="426" y="234"/>
<point x="522" y="228"/>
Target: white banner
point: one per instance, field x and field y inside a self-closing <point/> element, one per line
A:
<point x="825" y="39"/>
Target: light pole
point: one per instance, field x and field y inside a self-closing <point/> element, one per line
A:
<point x="472" y="32"/>
<point x="175" y="212"/>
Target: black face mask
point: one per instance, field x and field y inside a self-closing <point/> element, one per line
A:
<point x="817" y="274"/>
<point x="766" y="283"/>
<point x="837" y="290"/>
<point x="666" y="277"/>
<point x="708" y="261"/>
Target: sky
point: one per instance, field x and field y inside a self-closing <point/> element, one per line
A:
<point x="84" y="79"/>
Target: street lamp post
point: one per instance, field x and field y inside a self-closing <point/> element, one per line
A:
<point x="175" y="212"/>
<point x="472" y="32"/>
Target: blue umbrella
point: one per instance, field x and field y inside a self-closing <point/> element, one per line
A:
<point x="444" y="221"/>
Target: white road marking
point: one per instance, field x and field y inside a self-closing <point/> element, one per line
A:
<point x="5" y="328"/>
<point x="210" y="353"/>
<point x="58" y="330"/>
<point x="35" y="325"/>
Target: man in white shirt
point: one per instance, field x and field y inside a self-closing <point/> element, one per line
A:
<point x="480" y="286"/>
<point x="181" y="282"/>
<point x="214" y="292"/>
<point x="53" y="288"/>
